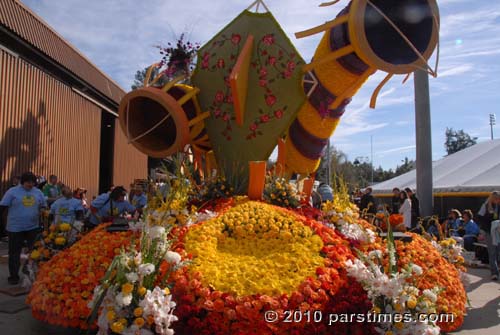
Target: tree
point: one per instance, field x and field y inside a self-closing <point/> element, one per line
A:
<point x="457" y="140"/>
<point x="407" y="166"/>
<point x="140" y="75"/>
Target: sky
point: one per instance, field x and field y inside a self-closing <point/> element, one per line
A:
<point x="119" y="37"/>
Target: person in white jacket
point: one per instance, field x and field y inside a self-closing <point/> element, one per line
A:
<point x="405" y="209"/>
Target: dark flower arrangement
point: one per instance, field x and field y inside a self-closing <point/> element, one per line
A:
<point x="178" y="57"/>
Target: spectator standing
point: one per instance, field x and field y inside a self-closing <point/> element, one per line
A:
<point x="471" y="230"/>
<point x="66" y="209"/>
<point x="489" y="212"/>
<point x="415" y="207"/>
<point x="109" y="205"/>
<point x="395" y="201"/>
<point x="405" y="209"/>
<point x="24" y="203"/>
<point x="368" y="201"/>
<point x="52" y="190"/>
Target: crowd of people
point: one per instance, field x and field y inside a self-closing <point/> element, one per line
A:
<point x="463" y="226"/>
<point x="31" y="198"/>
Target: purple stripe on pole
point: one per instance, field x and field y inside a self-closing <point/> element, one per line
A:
<point x="320" y="98"/>
<point x="339" y="38"/>
<point x="306" y="143"/>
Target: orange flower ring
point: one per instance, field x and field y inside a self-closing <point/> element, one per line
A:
<point x="202" y="309"/>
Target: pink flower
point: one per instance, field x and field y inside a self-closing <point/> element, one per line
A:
<point x="253" y="127"/>
<point x="291" y="65"/>
<point x="268" y="39"/>
<point x="229" y="99"/>
<point x="263" y="72"/>
<point x="204" y="64"/>
<point x="287" y="74"/>
<point x="278" y="113"/>
<point x="235" y="39"/>
<point x="219" y="96"/>
<point x="270" y="100"/>
<point x="264" y="118"/>
<point x="226" y="117"/>
<point x="220" y="63"/>
<point x="262" y="83"/>
<point x="272" y="60"/>
<point x="217" y="112"/>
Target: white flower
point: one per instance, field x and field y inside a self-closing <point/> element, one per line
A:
<point x="375" y="254"/>
<point x="123" y="300"/>
<point x="146" y="269"/>
<point x="132" y="277"/>
<point x="161" y="306"/>
<point x="138" y="259"/>
<point x="173" y="257"/>
<point x="155" y="232"/>
<point x="416" y="269"/>
<point x="137" y="226"/>
<point x="430" y="295"/>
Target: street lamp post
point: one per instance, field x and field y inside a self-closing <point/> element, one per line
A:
<point x="371" y="156"/>
<point x="492" y="123"/>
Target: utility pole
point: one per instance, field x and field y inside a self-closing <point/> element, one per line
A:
<point x="423" y="142"/>
<point x="492" y="123"/>
<point x="371" y="155"/>
<point x="328" y="163"/>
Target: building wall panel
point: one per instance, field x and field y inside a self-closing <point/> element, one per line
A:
<point x="46" y="127"/>
<point x="129" y="163"/>
<point x="25" y="23"/>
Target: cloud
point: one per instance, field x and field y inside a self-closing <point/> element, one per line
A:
<point x="398" y="150"/>
<point x="457" y="70"/>
<point x="119" y="35"/>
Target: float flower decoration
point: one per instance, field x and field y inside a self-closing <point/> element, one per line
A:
<point x="395" y="220"/>
<point x="281" y="192"/>
<point x="178" y="57"/>
<point x="395" y="292"/>
<point x="64" y="284"/>
<point x="60" y="236"/>
<point x="437" y="271"/>
<point x="344" y="216"/>
<point x="256" y="257"/>
<point x="128" y="300"/>
<point x="452" y="252"/>
<point x="216" y="187"/>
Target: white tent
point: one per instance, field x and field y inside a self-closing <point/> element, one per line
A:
<point x="472" y="170"/>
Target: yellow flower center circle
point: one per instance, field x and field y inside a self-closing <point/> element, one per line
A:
<point x="254" y="248"/>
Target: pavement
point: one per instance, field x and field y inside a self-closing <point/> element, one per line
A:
<point x="483" y="317"/>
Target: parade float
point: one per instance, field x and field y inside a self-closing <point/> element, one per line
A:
<point x="238" y="249"/>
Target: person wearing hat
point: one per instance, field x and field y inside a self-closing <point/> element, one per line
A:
<point x="415" y="207"/>
<point x="109" y="205"/>
<point x="454" y="222"/>
<point x="24" y="203"/>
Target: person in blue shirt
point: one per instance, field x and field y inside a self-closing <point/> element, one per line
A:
<point x="24" y="203"/>
<point x="454" y="222"/>
<point x="140" y="200"/>
<point x="471" y="230"/>
<point x="66" y="209"/>
<point x="110" y="205"/>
